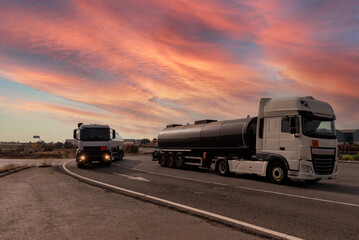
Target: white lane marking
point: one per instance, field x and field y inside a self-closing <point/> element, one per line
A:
<point x="167" y="175"/>
<point x="214" y="215"/>
<point x="299" y="196"/>
<point x="133" y="178"/>
<point x="250" y="189"/>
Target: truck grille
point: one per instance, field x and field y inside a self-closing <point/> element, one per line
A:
<point x="92" y="149"/>
<point x="323" y="164"/>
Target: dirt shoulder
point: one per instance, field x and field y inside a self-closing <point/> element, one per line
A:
<point x="44" y="203"/>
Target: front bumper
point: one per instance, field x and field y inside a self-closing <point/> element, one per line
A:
<point x="306" y="172"/>
<point x="89" y="158"/>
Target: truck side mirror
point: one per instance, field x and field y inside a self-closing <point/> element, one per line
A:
<point x="74" y="133"/>
<point x="294" y="125"/>
<point x="113" y="133"/>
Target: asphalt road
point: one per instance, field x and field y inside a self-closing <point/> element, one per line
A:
<point x="326" y="210"/>
<point x="45" y="203"/>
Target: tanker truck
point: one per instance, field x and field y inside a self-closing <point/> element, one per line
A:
<point x="291" y="138"/>
<point x="95" y="145"/>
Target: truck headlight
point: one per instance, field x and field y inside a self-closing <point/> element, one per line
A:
<point x="307" y="168"/>
<point x="82" y="157"/>
<point x="107" y="157"/>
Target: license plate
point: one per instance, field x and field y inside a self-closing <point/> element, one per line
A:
<point x="95" y="161"/>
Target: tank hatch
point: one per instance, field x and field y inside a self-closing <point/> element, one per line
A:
<point x="204" y="121"/>
<point x="173" y="125"/>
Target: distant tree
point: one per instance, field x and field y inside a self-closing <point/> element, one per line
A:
<point x="48" y="147"/>
<point x="58" y="145"/>
<point x="69" y="145"/>
<point x="145" y="141"/>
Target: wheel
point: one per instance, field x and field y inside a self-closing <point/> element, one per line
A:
<point x="162" y="160"/>
<point x="79" y="165"/>
<point x="277" y="173"/>
<point x="108" y="164"/>
<point x="222" y="167"/>
<point x="312" y="181"/>
<point x="179" y="160"/>
<point x="171" y="160"/>
<point x="120" y="154"/>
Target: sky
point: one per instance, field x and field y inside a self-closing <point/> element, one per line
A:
<point x="138" y="65"/>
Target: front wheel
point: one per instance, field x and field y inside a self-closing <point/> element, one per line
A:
<point x="80" y="165"/>
<point x="277" y="173"/>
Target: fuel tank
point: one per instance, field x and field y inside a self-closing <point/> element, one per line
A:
<point x="210" y="134"/>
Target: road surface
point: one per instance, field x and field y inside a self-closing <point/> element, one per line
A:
<point x="45" y="203"/>
<point x="326" y="210"/>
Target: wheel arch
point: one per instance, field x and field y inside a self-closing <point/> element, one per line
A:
<point x="272" y="158"/>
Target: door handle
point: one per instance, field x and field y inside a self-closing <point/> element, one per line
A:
<point x="282" y="148"/>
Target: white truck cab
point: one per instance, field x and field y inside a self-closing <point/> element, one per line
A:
<point x="298" y="133"/>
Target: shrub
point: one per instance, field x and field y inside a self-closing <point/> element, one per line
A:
<point x="145" y="141"/>
<point x="347" y="157"/>
<point x="356" y="157"/>
<point x="131" y="148"/>
<point x="20" y="149"/>
<point x="59" y="154"/>
<point x="48" y="147"/>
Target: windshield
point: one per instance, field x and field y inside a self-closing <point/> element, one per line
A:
<point x="318" y="127"/>
<point x="95" y="134"/>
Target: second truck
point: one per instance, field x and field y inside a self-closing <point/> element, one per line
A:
<point x="292" y="138"/>
<point x="97" y="144"/>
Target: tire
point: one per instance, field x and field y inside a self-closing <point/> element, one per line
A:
<point x="171" y="160"/>
<point x="108" y="164"/>
<point x="277" y="173"/>
<point x="180" y="161"/>
<point x="314" y="181"/>
<point x="118" y="156"/>
<point x="222" y="167"/>
<point x="162" y="160"/>
<point x="79" y="165"/>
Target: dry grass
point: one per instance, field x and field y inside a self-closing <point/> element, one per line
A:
<point x="37" y="154"/>
<point x="11" y="167"/>
<point x="45" y="164"/>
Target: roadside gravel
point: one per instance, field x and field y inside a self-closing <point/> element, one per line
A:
<point x="44" y="203"/>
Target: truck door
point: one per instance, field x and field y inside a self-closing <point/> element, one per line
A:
<point x="271" y="134"/>
<point x="290" y="142"/>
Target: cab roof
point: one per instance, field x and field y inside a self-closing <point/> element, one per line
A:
<point x="270" y="107"/>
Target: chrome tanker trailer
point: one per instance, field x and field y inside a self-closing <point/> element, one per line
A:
<point x="291" y="138"/>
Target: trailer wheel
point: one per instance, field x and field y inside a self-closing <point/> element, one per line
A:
<point x="179" y="160"/>
<point x="171" y="160"/>
<point x="222" y="167"/>
<point x="277" y="173"/>
<point x="162" y="160"/>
